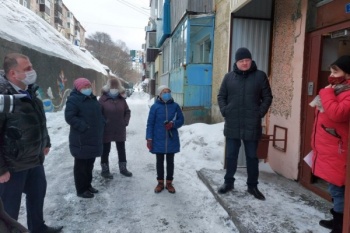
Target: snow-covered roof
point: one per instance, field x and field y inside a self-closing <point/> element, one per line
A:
<point x="20" y="25"/>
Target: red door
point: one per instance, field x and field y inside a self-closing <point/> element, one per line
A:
<point x="320" y="50"/>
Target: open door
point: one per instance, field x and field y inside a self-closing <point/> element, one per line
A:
<point x="323" y="47"/>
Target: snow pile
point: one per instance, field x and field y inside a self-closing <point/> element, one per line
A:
<point x="20" y="25"/>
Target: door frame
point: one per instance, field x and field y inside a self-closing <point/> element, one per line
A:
<point x="311" y="70"/>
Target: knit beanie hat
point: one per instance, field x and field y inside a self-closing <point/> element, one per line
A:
<point x="343" y="63"/>
<point x="161" y="88"/>
<point x="80" y="83"/>
<point x="242" y="53"/>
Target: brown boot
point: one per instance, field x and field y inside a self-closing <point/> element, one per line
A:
<point x="169" y="186"/>
<point x="159" y="187"/>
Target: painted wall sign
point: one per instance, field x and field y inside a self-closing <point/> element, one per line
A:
<point x="238" y="4"/>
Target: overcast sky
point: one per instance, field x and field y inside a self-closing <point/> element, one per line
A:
<point x="123" y="20"/>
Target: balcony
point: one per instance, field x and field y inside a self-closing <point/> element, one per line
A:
<point x="68" y="31"/>
<point x="58" y="8"/>
<point x="58" y="21"/>
<point x="45" y="6"/>
<point x="151" y="54"/>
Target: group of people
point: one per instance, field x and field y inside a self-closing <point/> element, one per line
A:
<point x="94" y="125"/>
<point x="244" y="98"/>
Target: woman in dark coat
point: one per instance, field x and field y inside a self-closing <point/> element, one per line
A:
<point x="165" y="117"/>
<point x="83" y="114"/>
<point x="117" y="115"/>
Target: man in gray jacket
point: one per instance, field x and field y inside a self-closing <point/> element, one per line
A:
<point x="244" y="98"/>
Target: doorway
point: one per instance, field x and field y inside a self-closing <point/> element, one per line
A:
<point x="322" y="48"/>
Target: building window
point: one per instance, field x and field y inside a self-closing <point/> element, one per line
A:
<point x="166" y="58"/>
<point x="200" y="32"/>
<point x="204" y="51"/>
<point x="179" y="42"/>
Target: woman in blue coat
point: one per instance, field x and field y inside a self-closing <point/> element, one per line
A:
<point x="165" y="117"/>
<point x="83" y="114"/>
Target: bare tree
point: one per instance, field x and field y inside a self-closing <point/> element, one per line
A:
<point x="113" y="54"/>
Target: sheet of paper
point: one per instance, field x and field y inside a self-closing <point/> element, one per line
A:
<point x="308" y="158"/>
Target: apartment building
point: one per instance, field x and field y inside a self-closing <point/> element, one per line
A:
<point x="55" y="13"/>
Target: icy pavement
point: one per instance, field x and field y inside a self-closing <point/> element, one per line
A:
<point x="288" y="208"/>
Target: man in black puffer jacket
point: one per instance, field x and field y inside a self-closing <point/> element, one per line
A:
<point x="24" y="142"/>
<point x="244" y="98"/>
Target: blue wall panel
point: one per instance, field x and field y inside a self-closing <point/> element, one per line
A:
<point x="177" y="80"/>
<point x="197" y="96"/>
<point x="199" y="74"/>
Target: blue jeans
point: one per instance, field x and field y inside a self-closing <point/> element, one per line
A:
<point x="337" y="193"/>
<point x="232" y="151"/>
<point x="32" y="182"/>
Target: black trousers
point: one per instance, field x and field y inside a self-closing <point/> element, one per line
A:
<point x="83" y="174"/>
<point x="107" y="148"/>
<point x="169" y="166"/>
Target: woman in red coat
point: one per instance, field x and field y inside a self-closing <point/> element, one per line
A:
<point x="330" y="137"/>
<point x="117" y="115"/>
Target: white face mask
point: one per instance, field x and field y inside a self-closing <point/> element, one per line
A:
<point x="114" y="91"/>
<point x="30" y="77"/>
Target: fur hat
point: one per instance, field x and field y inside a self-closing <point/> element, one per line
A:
<point x="343" y="63"/>
<point x="80" y="83"/>
<point x="161" y="88"/>
<point x="242" y="53"/>
<point x="112" y="82"/>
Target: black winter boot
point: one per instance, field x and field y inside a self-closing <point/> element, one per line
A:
<point x="105" y="171"/>
<point x="225" y="188"/>
<point x="256" y="193"/>
<point x="327" y="223"/>
<point x="337" y="222"/>
<point x="123" y="170"/>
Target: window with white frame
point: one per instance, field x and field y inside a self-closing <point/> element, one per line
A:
<point x="200" y="40"/>
<point x="179" y="47"/>
<point x="204" y="50"/>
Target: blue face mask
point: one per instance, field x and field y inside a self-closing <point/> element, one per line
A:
<point x="166" y="97"/>
<point x="86" y="91"/>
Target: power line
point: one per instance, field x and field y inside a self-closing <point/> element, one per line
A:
<point x="134" y="7"/>
<point x="111" y="25"/>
